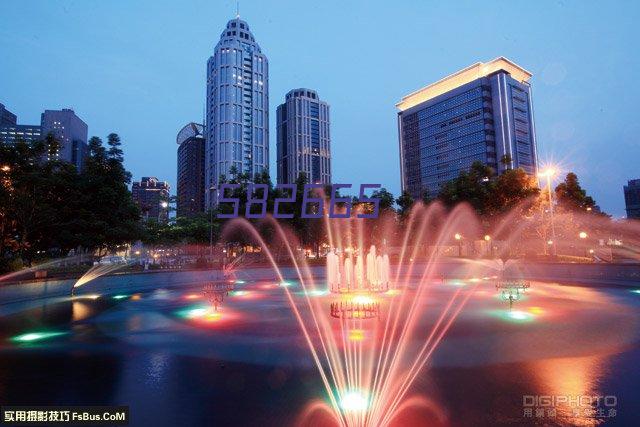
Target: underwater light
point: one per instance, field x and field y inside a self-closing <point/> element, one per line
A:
<point x="356" y="335"/>
<point x="238" y="293"/>
<point x="354" y="401"/>
<point x="520" y="316"/>
<point x="363" y="299"/>
<point x="36" y="336"/>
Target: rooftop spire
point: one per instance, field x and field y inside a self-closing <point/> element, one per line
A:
<point x="237" y="9"/>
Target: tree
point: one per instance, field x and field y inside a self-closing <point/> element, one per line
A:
<point x="511" y="188"/>
<point x="405" y="202"/>
<point x="474" y="187"/>
<point x="570" y="196"/>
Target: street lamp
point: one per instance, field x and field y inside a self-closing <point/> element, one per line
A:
<point x="458" y="237"/>
<point x="212" y="188"/>
<point x="550" y="173"/>
<point x="583" y="235"/>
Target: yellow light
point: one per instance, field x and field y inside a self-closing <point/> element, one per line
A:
<point x="549" y="242"/>
<point x="582" y="235"/>
<point x="590" y="251"/>
<point x="487" y="237"/>
<point x="362" y="299"/>
<point x="458" y="236"/>
<point x="549" y="172"/>
<point x="463" y="77"/>
<point x="536" y="310"/>
<point x="356" y="335"/>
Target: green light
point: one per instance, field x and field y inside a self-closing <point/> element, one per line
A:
<point x="515" y="316"/>
<point x="192" y="312"/>
<point x="36" y="336"/>
<point x="240" y="282"/>
<point x="636" y="291"/>
<point x="285" y="284"/>
<point x="120" y="296"/>
<point x="238" y="293"/>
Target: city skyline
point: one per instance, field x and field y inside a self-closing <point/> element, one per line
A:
<point x="578" y="122"/>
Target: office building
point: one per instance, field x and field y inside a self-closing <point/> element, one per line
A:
<point x="237" y="117"/>
<point x="25" y="133"/>
<point x="632" y="198"/>
<point x="303" y="138"/>
<point x="152" y="197"/>
<point x="72" y="133"/>
<point x="191" y="141"/>
<point x="11" y="131"/>
<point x="7" y="118"/>
<point x="481" y="113"/>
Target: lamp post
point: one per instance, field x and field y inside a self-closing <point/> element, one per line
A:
<point x="549" y="173"/>
<point x="487" y="239"/>
<point x="212" y="188"/>
<point x="458" y="237"/>
<point x="583" y="235"/>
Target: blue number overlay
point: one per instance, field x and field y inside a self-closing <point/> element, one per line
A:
<point x="258" y="194"/>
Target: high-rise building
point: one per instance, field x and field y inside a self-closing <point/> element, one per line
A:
<point x="237" y="123"/>
<point x="191" y="189"/>
<point x="304" y="140"/>
<point x="71" y="131"/>
<point x="152" y="197"/>
<point x="481" y="113"/>
<point x="11" y="131"/>
<point x="7" y="118"/>
<point x="25" y="133"/>
<point x="632" y="198"/>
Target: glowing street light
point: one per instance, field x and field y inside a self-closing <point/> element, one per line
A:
<point x="583" y="235"/>
<point x="549" y="173"/>
<point x="487" y="238"/>
<point x="458" y="236"/>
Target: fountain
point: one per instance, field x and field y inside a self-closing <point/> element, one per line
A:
<point x="346" y="275"/>
<point x="364" y="336"/>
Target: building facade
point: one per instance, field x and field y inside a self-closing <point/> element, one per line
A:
<point x="481" y="113"/>
<point x="152" y="197"/>
<point x="191" y="149"/>
<point x="303" y="138"/>
<point x="25" y="133"/>
<point x="72" y="133"/>
<point x="7" y="118"/>
<point x="237" y="117"/>
<point x="632" y="198"/>
<point x="11" y="132"/>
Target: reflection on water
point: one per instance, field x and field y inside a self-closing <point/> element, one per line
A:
<point x="573" y="385"/>
<point x="169" y="352"/>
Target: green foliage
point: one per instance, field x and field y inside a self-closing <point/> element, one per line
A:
<point x="487" y="193"/>
<point x="48" y="208"/>
<point x="571" y="196"/>
<point x="405" y="202"/>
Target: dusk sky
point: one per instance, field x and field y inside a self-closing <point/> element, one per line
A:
<point x="137" y="68"/>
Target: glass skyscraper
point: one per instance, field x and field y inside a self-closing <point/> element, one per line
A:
<point x="237" y="122"/>
<point x="191" y="142"/>
<point x="481" y="113"/>
<point x="304" y="141"/>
